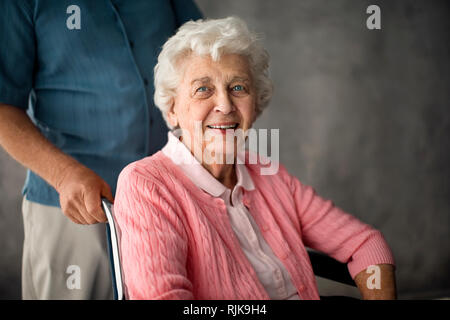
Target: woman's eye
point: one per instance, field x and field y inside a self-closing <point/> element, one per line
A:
<point x="202" y="89"/>
<point x="238" y="88"/>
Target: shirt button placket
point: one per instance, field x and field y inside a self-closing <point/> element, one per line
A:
<point x="278" y="274"/>
<point x="253" y="239"/>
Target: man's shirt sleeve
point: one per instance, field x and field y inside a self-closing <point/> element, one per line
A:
<point x="185" y="10"/>
<point x="17" y="52"/>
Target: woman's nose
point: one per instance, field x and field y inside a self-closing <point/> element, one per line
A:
<point x="224" y="105"/>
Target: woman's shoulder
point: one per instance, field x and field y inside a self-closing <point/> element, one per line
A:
<point x="152" y="168"/>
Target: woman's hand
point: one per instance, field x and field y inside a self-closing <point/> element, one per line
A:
<point x="377" y="283"/>
<point x="80" y="191"/>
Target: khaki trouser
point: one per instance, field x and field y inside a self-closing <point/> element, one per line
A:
<point x="61" y="259"/>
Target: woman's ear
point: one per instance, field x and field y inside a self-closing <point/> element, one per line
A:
<point x="172" y="116"/>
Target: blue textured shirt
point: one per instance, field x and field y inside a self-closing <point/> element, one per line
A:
<point x="85" y="77"/>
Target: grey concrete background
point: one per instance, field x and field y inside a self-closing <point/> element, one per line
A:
<point x="364" y="119"/>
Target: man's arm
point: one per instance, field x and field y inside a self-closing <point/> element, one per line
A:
<point x="377" y="289"/>
<point x="79" y="188"/>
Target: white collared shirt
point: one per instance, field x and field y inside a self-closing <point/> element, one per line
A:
<point x="269" y="269"/>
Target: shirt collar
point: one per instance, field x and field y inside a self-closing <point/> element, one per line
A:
<point x="202" y="178"/>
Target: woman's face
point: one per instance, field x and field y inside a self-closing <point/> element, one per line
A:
<point x="214" y="98"/>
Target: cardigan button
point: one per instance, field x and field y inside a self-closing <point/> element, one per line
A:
<point x="265" y="228"/>
<point x="301" y="288"/>
<point x="284" y="255"/>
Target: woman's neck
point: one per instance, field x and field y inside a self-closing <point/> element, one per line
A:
<point x="225" y="173"/>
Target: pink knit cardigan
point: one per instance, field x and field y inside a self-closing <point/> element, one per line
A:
<point x="177" y="241"/>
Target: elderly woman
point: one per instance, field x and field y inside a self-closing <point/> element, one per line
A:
<point x="216" y="229"/>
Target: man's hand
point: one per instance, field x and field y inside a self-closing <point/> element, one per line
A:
<point x="80" y="190"/>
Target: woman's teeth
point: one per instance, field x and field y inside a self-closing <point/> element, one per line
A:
<point x="233" y="126"/>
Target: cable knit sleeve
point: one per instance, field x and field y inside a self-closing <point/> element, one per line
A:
<point x="153" y="240"/>
<point x="327" y="228"/>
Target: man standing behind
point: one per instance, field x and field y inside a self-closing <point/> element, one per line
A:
<point x="76" y="107"/>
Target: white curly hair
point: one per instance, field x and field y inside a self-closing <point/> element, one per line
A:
<point x="212" y="37"/>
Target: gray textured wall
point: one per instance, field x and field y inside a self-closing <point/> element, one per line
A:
<point x="363" y="116"/>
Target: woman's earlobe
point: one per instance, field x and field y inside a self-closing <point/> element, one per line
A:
<point x="173" y="120"/>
